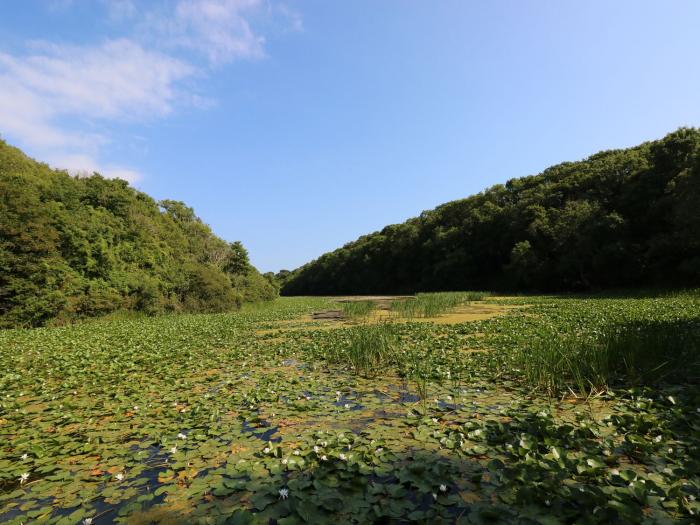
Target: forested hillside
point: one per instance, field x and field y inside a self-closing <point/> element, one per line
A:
<point x="77" y="247"/>
<point x="620" y="218"/>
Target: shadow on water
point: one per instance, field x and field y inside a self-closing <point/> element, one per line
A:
<point x="421" y="484"/>
<point x="410" y="484"/>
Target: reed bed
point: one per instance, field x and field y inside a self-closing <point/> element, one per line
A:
<point x="357" y="309"/>
<point x="371" y="348"/>
<point x="433" y="304"/>
<point x="635" y="354"/>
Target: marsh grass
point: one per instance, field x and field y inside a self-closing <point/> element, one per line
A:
<point x="357" y="309"/>
<point x="371" y="348"/>
<point x="634" y="354"/>
<point x="421" y="382"/>
<point x="433" y="304"/>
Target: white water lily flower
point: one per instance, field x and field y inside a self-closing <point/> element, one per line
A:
<point x="347" y="405"/>
<point x="24" y="477"/>
<point x="434" y="496"/>
<point x="658" y="438"/>
<point x="435" y="420"/>
<point x="119" y="476"/>
<point x="379" y="450"/>
<point x="324" y="458"/>
<point x="181" y="436"/>
<point x="547" y="502"/>
<point x="670" y="451"/>
<point x="87" y="521"/>
<point x="173" y="450"/>
<point x="266" y="450"/>
<point x="342" y="457"/>
<point x="296" y="452"/>
<point x="24" y="456"/>
<point x="136" y="408"/>
<point x="324" y="443"/>
<point x="443" y="488"/>
<point x="316" y="448"/>
<point x="285" y="461"/>
<point x="284" y="493"/>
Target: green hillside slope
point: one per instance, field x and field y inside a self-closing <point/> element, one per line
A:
<point x="619" y="218"/>
<point x="78" y="247"/>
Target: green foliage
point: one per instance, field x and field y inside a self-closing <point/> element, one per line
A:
<point x="620" y="218"/>
<point x="260" y="415"/>
<point x="357" y="309"/>
<point x="371" y="348"/>
<point x="78" y="247"/>
<point x="433" y="304"/>
<point x="592" y="346"/>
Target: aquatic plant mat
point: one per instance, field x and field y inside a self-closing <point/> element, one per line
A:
<point x="537" y="410"/>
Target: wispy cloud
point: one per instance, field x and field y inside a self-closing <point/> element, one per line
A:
<point x="219" y="29"/>
<point x="54" y="85"/>
<point x="59" y="100"/>
<point x="82" y="165"/>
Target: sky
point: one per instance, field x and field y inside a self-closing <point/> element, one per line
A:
<point x="297" y="126"/>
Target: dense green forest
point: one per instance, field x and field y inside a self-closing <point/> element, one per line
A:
<point x="620" y="218"/>
<point x="77" y="247"/>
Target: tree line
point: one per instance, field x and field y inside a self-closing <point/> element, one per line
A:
<point x="620" y="218"/>
<point x="74" y="247"/>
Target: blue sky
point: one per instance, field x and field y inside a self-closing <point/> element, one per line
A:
<point x="296" y="126"/>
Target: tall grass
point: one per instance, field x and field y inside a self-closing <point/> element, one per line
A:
<point x="357" y="309"/>
<point x="371" y="348"/>
<point x="433" y="304"/>
<point x="638" y="353"/>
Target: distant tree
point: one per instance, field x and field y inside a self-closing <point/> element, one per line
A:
<point x="77" y="247"/>
<point x="237" y="262"/>
<point x="619" y="218"/>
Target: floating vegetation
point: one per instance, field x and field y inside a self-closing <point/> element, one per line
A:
<point x="227" y="418"/>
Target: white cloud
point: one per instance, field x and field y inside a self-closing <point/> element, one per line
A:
<point x="121" y="9"/>
<point x="48" y="94"/>
<point x="58" y="100"/>
<point x="84" y="165"/>
<point x="113" y="80"/>
<point x="218" y="29"/>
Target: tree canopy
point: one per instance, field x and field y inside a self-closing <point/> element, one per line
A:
<point x="620" y="218"/>
<point x="76" y="247"/>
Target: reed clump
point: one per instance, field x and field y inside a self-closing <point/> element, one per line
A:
<point x="371" y="348"/>
<point x="635" y="354"/>
<point x="433" y="304"/>
<point x="357" y="309"/>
